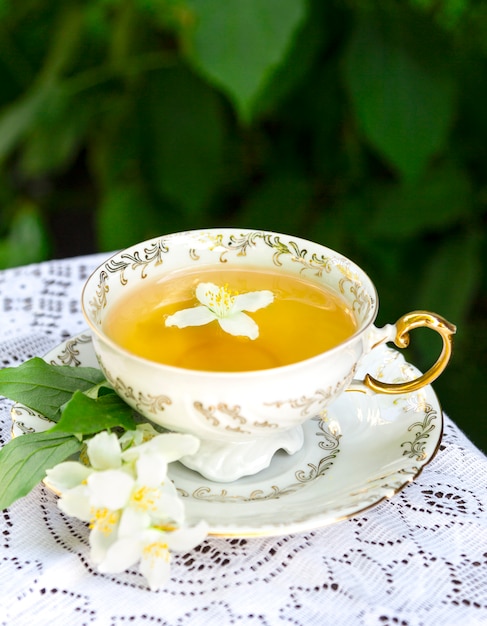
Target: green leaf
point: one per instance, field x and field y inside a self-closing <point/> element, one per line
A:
<point x="183" y="132"/>
<point x="124" y="22"/>
<point x="125" y="216"/>
<point x="450" y="280"/>
<point x="321" y="104"/>
<point x="401" y="85"/>
<point x="279" y="204"/>
<point x="332" y="225"/>
<point x="85" y="416"/>
<point x="311" y="36"/>
<point x="57" y="135"/>
<point x="238" y="45"/>
<point x="46" y="388"/>
<point x="449" y="286"/>
<point x="27" y="240"/>
<point x="24" y="461"/>
<point x="15" y="70"/>
<point x="18" y="118"/>
<point x="470" y="136"/>
<point x="114" y="150"/>
<point x="64" y="41"/>
<point x="433" y="203"/>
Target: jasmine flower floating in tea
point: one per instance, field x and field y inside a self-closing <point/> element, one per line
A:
<point x="225" y="306"/>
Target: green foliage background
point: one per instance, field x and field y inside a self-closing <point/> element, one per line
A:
<point x="360" y="124"/>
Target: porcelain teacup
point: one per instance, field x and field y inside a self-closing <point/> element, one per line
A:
<point x="243" y="418"/>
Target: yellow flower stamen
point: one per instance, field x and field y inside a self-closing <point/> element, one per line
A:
<point x="104" y="520"/>
<point x="145" y="498"/>
<point x="157" y="550"/>
<point x="166" y="528"/>
<point x="222" y="300"/>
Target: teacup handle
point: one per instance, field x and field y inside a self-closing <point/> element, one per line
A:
<point x="417" y="319"/>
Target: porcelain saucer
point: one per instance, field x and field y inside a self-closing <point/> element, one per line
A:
<point x="364" y="449"/>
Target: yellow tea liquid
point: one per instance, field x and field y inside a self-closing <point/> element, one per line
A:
<point x="303" y="320"/>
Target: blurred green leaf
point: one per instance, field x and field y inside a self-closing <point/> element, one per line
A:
<point x="474" y="29"/>
<point x="64" y="41"/>
<point x="57" y="135"/>
<point x="447" y="12"/>
<point x="116" y="226"/>
<point x="238" y="45"/>
<point x="400" y="80"/>
<point x="27" y="240"/>
<point x="311" y="36"/>
<point x="279" y="204"/>
<point x="15" y="69"/>
<point x="18" y="118"/>
<point x="342" y="221"/>
<point x="320" y="104"/>
<point x="449" y="286"/>
<point x="470" y="132"/>
<point x="433" y="203"/>
<point x="183" y="130"/>
<point x="124" y="22"/>
<point x="328" y="229"/>
<point x="450" y="280"/>
<point x="113" y="152"/>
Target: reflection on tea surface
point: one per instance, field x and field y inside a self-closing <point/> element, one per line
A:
<point x="303" y="320"/>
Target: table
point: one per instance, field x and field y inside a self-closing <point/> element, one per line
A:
<point x="419" y="558"/>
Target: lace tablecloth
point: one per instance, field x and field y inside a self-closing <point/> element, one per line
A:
<point x="419" y="558"/>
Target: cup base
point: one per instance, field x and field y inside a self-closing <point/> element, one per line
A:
<point x="226" y="462"/>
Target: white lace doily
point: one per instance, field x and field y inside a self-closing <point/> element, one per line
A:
<point x="417" y="559"/>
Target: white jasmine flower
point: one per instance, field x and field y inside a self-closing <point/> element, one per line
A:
<point x="225" y="306"/>
<point x="133" y="509"/>
<point x="71" y="477"/>
<point x="69" y="480"/>
<point x="113" y="495"/>
<point x="151" y="545"/>
<point x="65" y="476"/>
<point x="171" y="446"/>
<point x="104" y="451"/>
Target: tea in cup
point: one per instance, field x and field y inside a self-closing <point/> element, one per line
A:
<point x="238" y="337"/>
